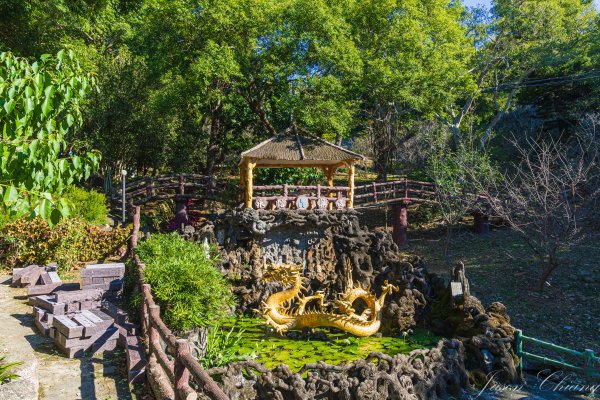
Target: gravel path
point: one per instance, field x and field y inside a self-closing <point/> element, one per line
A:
<point x="90" y="378"/>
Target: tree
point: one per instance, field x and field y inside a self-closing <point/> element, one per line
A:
<point x="460" y="176"/>
<point x="41" y="109"/>
<point x="415" y="59"/>
<point x="519" y="43"/>
<point x="549" y="196"/>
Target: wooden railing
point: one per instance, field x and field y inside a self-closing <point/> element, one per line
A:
<point x="300" y="197"/>
<point x="173" y="375"/>
<point x="405" y="190"/>
<point x="166" y="187"/>
<point x="589" y="363"/>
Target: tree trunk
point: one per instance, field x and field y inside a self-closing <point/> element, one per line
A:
<point x="547" y="268"/>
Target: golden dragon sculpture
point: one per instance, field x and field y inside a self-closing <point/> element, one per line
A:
<point x="289" y="309"/>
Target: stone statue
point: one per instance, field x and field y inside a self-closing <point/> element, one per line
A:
<point x="288" y="309"/>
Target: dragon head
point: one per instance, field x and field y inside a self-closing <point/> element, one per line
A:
<point x="284" y="273"/>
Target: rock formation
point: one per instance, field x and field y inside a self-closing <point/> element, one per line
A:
<point x="330" y="244"/>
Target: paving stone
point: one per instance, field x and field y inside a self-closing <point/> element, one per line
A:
<point x="104" y="270"/>
<point x="44" y="279"/>
<point x="67" y="327"/>
<point x="106" y="320"/>
<point x="89" y="328"/>
<point x="18" y="273"/>
<point x="54" y="287"/>
<point x="54" y="277"/>
<point x="136" y="360"/>
<point x="87" y="342"/>
<point x="78" y="295"/>
<point x="48" y="303"/>
<point x="31" y="276"/>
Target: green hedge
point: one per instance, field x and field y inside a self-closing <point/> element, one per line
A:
<point x="185" y="282"/>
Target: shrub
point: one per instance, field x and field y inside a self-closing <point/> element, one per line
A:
<point x="185" y="282"/>
<point x="70" y="243"/>
<point x="222" y="347"/>
<point x="87" y="205"/>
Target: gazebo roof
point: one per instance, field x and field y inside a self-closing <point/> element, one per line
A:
<point x="295" y="147"/>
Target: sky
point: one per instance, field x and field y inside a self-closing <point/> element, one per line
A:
<point x="488" y="2"/>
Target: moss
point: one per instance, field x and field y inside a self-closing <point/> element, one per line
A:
<point x="259" y="342"/>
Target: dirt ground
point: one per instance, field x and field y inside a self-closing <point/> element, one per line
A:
<point x="501" y="267"/>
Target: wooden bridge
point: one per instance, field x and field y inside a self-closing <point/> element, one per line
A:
<point x="171" y="187"/>
<point x="397" y="194"/>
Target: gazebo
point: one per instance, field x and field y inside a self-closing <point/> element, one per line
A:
<point x="296" y="148"/>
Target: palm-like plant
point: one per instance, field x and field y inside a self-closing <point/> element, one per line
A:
<point x="5" y="371"/>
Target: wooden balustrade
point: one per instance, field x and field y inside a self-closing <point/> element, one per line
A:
<point x="167" y="187"/>
<point x="286" y="196"/>
<point x="183" y="365"/>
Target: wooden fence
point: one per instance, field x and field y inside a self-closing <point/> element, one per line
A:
<point x="589" y="363"/>
<point x="172" y="377"/>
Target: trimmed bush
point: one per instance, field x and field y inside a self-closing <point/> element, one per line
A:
<point x="87" y="205"/>
<point x="70" y="243"/>
<point x="185" y="282"/>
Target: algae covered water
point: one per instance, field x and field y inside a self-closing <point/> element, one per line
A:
<point x="259" y="342"/>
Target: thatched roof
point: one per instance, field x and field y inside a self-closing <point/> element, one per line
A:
<point x="296" y="147"/>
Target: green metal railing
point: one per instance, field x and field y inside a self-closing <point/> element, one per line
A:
<point x="589" y="365"/>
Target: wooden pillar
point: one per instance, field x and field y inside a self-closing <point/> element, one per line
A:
<point x="481" y="223"/>
<point x="329" y="170"/>
<point x="181" y="215"/>
<point x="400" y="224"/>
<point x="249" y="182"/>
<point x="351" y="185"/>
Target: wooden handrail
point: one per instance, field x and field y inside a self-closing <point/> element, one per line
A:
<point x="184" y="365"/>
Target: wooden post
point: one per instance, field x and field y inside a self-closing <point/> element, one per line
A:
<point x="481" y="223"/>
<point x="374" y="192"/>
<point x="181" y="184"/>
<point x="145" y="312"/>
<point x="181" y="215"/>
<point x="249" y="182"/>
<point x="182" y="375"/>
<point x="400" y="224"/>
<point x="153" y="335"/>
<point x="350" y="185"/>
<point x="136" y="227"/>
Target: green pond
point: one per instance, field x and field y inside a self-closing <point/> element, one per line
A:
<point x="259" y="342"/>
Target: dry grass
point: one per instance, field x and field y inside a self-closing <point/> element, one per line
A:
<point x="501" y="267"/>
